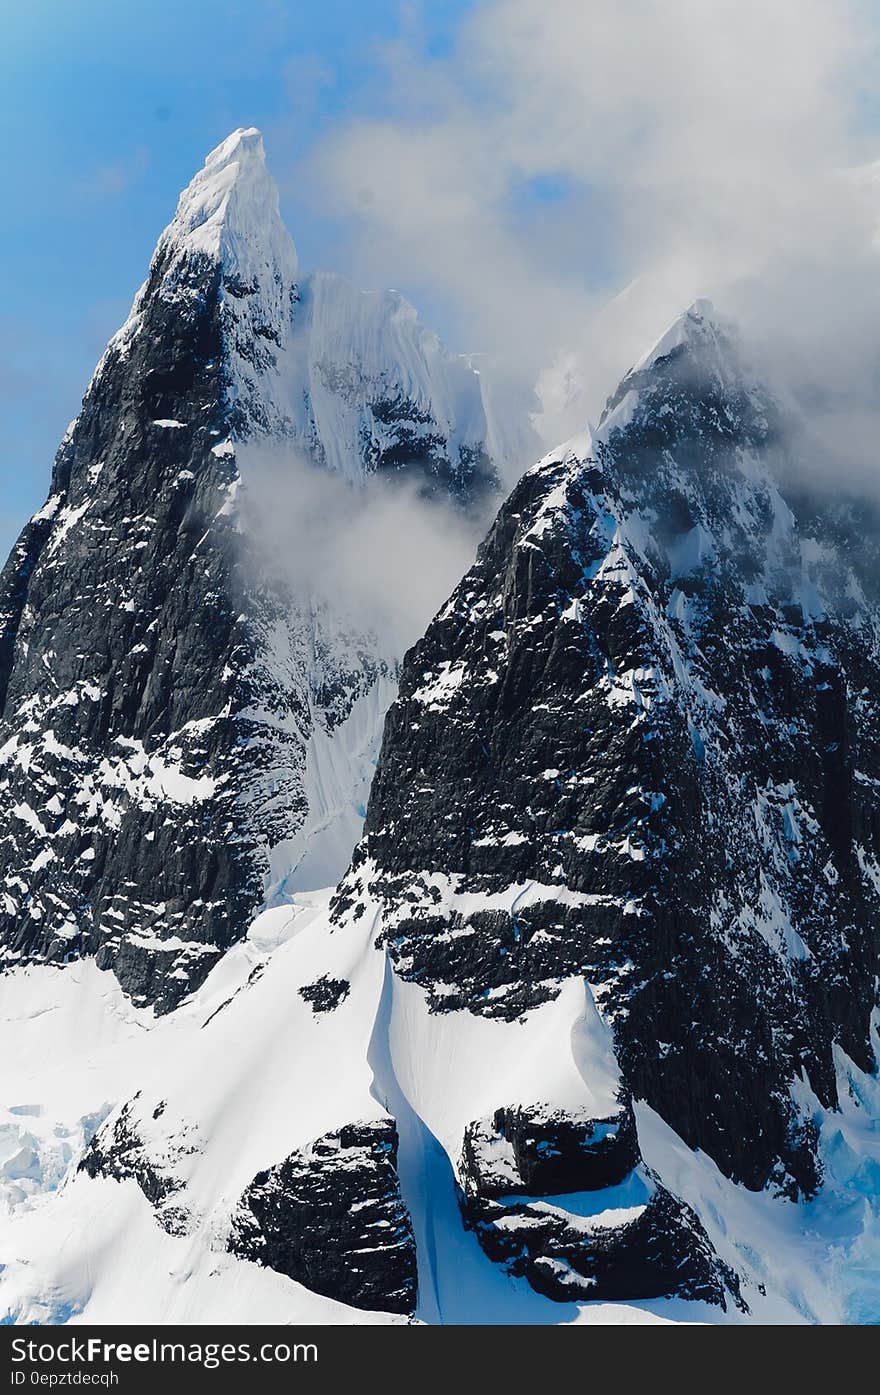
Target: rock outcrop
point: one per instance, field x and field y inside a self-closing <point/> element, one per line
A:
<point x="565" y="1202"/>
<point x="331" y="1216"/>
<point x="120" y="1150"/>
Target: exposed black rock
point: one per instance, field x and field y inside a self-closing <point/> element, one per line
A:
<point x="644" y="730"/>
<point x="127" y="669"/>
<point x="657" y="1249"/>
<point x="404" y="439"/>
<point x="541" y="1151"/>
<point x="118" y="1150"/>
<point x="325" y="993"/>
<point x="607" y="1229"/>
<point x="331" y="1217"/>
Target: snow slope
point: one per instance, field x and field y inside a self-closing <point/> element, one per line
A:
<point x="83" y="1250"/>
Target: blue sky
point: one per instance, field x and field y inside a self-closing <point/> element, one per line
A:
<point x="108" y="107"/>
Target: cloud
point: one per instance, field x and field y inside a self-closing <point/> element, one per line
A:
<point x="377" y="553"/>
<point x="569" y="176"/>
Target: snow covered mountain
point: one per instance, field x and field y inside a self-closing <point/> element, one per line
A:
<point x="645" y="724"/>
<point x="180" y="728"/>
<point x="588" y="1030"/>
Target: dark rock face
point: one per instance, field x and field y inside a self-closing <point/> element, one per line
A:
<point x="655" y="1249"/>
<point x="542" y="1151"/>
<point x="156" y="698"/>
<point x="325" y="993"/>
<point x="117" y="639"/>
<point x="14" y="581"/>
<point x="119" y="1151"/>
<point x="127" y="674"/>
<point x="332" y="1218"/>
<point x="563" y="1202"/>
<point x="641" y="739"/>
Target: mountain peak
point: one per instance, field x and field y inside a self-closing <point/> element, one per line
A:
<point x="230" y="212"/>
<point x="698" y="327"/>
<point x="700" y="354"/>
<point x="243" y="143"/>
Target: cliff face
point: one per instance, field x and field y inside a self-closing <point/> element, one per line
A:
<point x="161" y="692"/>
<point x="639" y="746"/>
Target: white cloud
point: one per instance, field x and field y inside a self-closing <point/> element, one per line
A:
<point x="378" y="554"/>
<point x="694" y="148"/>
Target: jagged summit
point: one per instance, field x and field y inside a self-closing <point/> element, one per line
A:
<point x="226" y="251"/>
<point x="230" y="211"/>
<point x="695" y="374"/>
<point x="353" y="380"/>
<point x="696" y="366"/>
<point x="616" y="900"/>
<point x="697" y="327"/>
